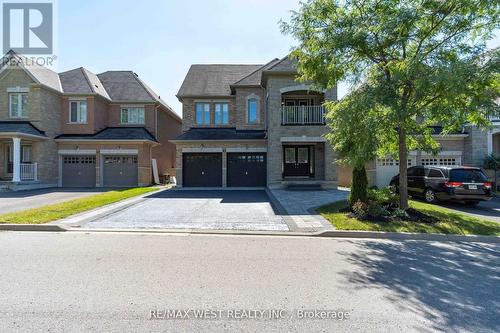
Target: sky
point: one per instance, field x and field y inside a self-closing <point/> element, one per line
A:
<point x="159" y="40"/>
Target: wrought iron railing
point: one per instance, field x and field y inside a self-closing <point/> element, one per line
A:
<point x="302" y="115"/>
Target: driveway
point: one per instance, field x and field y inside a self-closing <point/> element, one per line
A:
<point x="22" y="200"/>
<point x="197" y="209"/>
<point x="488" y="210"/>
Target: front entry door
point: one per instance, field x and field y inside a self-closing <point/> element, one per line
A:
<point x="297" y="160"/>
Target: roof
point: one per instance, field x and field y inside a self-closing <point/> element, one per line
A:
<point x="124" y="86"/>
<point x="286" y="64"/>
<point x="23" y="127"/>
<point x="82" y="81"/>
<point x="113" y="133"/>
<point x="228" y="133"/>
<point x="254" y="78"/>
<point x="39" y="74"/>
<point x="213" y="80"/>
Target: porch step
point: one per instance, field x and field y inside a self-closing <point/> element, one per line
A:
<point x="304" y="187"/>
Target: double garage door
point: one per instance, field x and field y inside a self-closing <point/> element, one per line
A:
<point x="118" y="171"/>
<point x="205" y="169"/>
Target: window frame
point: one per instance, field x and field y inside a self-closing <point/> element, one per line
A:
<point x="140" y="120"/>
<point x="204" y="113"/>
<point x="20" y="113"/>
<point x="255" y="99"/>
<point x="224" y="113"/>
<point x="79" y="120"/>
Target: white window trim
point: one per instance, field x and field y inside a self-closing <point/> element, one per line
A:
<point x="19" y="105"/>
<point x="248" y="98"/>
<point x="123" y="107"/>
<point x="209" y="114"/>
<point x="222" y="113"/>
<point x="78" y="101"/>
<point x="18" y="90"/>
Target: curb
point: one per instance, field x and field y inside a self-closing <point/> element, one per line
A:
<point x="321" y="234"/>
<point x="32" y="227"/>
<point x="409" y="236"/>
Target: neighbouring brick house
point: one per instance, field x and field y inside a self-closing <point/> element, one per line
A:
<point x="79" y="129"/>
<point x="252" y="126"/>
<point x="255" y="125"/>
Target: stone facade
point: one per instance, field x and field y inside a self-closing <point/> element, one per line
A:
<point x="276" y="133"/>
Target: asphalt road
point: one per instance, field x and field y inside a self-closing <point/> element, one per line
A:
<point x="106" y="282"/>
<point x="489" y="210"/>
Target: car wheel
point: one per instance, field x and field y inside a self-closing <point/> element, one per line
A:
<point x="430" y="196"/>
<point x="393" y="188"/>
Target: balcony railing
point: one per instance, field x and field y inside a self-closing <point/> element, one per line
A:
<point x="302" y="115"/>
<point x="29" y="171"/>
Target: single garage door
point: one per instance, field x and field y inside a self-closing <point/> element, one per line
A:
<point x="120" y="171"/>
<point x="246" y="169"/>
<point x="202" y="169"/>
<point x="78" y="171"/>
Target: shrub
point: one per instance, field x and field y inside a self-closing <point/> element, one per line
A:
<point x="400" y="214"/>
<point x="383" y="196"/>
<point x="376" y="209"/>
<point x="360" y="210"/>
<point x="359" y="186"/>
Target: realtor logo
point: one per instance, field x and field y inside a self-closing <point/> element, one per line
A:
<point x="28" y="28"/>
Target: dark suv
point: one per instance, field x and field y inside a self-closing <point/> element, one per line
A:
<point x="435" y="183"/>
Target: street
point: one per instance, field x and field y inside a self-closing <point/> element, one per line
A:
<point x="78" y="281"/>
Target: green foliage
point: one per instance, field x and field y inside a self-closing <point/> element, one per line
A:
<point x="413" y="63"/>
<point x="383" y="196"/>
<point x="492" y="162"/>
<point x="359" y="185"/>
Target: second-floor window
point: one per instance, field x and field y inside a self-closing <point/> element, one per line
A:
<point x="18" y="105"/>
<point x="132" y="116"/>
<point x="252" y="110"/>
<point x="78" y="112"/>
<point x="202" y="113"/>
<point x="221" y="113"/>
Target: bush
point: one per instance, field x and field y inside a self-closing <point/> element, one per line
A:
<point x="359" y="186"/>
<point x="360" y="210"/>
<point x="383" y="196"/>
<point x="376" y="209"/>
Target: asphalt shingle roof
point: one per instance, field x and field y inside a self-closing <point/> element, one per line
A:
<point x="114" y="133"/>
<point x="229" y="133"/>
<point x="23" y="127"/>
<point x="254" y="78"/>
<point x="213" y="80"/>
<point x="124" y="86"/>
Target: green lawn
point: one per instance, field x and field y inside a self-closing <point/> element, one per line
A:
<point x="449" y="221"/>
<point x="61" y="210"/>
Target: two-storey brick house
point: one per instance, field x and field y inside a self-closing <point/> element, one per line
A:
<point x="252" y="126"/>
<point x="79" y="129"/>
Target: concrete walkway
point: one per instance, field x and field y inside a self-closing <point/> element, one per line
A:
<point x="298" y="207"/>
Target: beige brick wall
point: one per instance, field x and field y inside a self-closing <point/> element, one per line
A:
<point x="189" y="112"/>
<point x="165" y="154"/>
<point x="149" y="114"/>
<point x="208" y="145"/>
<point x="11" y="78"/>
<point x="242" y="96"/>
<point x="276" y="132"/>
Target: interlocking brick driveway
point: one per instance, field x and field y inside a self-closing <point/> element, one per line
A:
<point x="197" y="209"/>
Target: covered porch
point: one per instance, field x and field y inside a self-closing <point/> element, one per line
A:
<point x="17" y="151"/>
<point x="306" y="161"/>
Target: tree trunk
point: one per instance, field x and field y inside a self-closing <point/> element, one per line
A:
<point x="403" y="168"/>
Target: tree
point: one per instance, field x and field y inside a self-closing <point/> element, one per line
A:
<point x="422" y="62"/>
<point x="492" y="162"/>
<point x="356" y="143"/>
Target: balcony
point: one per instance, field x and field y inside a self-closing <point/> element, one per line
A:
<point x="302" y="115"/>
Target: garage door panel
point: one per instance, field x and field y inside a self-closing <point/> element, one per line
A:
<point x="120" y="171"/>
<point x="246" y="169"/>
<point x="78" y="171"/>
<point x="202" y="169"/>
